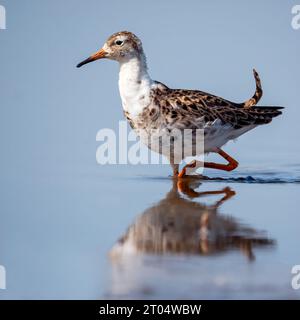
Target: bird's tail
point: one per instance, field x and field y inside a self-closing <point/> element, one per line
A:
<point x="263" y="115"/>
<point x="258" y="92"/>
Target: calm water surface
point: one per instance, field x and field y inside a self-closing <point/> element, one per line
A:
<point x="102" y="234"/>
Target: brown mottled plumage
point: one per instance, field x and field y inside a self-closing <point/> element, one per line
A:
<point x="178" y="105"/>
<point x="150" y="105"/>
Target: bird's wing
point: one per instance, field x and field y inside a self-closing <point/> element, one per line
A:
<point x="197" y="109"/>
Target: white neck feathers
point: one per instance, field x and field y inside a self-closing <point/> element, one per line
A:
<point x="134" y="85"/>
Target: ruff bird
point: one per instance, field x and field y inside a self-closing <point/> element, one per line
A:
<point x="152" y="107"/>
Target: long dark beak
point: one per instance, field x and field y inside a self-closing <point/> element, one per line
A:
<point x="98" y="55"/>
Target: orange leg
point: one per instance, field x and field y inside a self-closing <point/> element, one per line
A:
<point x="231" y="165"/>
<point x="183" y="186"/>
<point x="190" y="165"/>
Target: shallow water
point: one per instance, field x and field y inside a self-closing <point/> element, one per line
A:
<point x="99" y="234"/>
<point x="62" y="216"/>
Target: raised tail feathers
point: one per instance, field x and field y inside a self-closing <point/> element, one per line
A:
<point x="258" y="92"/>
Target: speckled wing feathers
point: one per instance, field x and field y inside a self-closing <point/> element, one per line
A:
<point x="192" y="108"/>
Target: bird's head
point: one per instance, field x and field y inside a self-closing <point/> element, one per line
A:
<point x="120" y="46"/>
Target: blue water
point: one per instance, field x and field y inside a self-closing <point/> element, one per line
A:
<point x="60" y="236"/>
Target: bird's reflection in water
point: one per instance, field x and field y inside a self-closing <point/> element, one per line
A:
<point x="180" y="225"/>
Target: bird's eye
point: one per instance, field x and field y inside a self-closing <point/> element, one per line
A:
<point x="119" y="42"/>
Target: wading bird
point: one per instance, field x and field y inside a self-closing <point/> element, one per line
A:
<point x="157" y="110"/>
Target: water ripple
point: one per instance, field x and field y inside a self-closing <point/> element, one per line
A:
<point x="253" y="179"/>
